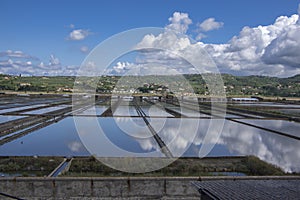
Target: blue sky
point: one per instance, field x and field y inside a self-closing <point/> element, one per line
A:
<point x="42" y="28"/>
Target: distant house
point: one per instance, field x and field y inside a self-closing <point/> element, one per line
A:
<point x="25" y="84"/>
<point x="67" y="90"/>
<point x="64" y="89"/>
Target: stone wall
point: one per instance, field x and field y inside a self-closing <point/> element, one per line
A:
<point x="100" y="188"/>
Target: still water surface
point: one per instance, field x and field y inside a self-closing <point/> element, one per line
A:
<point x="62" y="139"/>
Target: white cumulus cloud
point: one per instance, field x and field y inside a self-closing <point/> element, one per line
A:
<point x="78" y="34"/>
<point x="285" y="48"/>
<point x="179" y="22"/>
<point x="271" y="50"/>
<point x="210" y="24"/>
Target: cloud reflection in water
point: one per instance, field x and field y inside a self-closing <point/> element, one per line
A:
<point x="236" y="139"/>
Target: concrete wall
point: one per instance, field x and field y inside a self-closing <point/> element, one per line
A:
<point x="100" y="188"/>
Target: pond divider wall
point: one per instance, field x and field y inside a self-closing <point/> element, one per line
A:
<point x="34" y="188"/>
<point x="99" y="188"/>
<point x="68" y="162"/>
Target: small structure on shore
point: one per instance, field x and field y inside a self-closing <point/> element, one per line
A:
<point x="244" y="99"/>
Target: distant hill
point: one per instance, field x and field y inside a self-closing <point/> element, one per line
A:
<point x="255" y="85"/>
<point x="234" y="85"/>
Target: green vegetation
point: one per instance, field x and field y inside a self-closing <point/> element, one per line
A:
<point x="29" y="166"/>
<point x="36" y="83"/>
<point x="233" y="85"/>
<point x="253" y="166"/>
<point x="90" y="167"/>
<point x="250" y="165"/>
<point x="262" y="85"/>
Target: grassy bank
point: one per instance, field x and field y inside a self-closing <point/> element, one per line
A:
<point x="91" y="167"/>
<point x="28" y="166"/>
<point x="250" y="165"/>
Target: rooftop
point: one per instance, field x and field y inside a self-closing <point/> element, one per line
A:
<point x="262" y="188"/>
